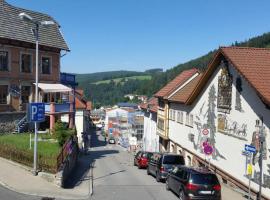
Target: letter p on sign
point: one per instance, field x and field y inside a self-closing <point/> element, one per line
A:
<point x="33" y="112"/>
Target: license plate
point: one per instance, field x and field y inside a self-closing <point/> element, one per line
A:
<point x="205" y="192"/>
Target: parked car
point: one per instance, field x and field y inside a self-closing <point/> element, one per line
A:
<point x="161" y="163"/>
<point x="193" y="183"/>
<point x="111" y="141"/>
<point x="141" y="159"/>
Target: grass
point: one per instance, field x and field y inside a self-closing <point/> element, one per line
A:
<point x="117" y="80"/>
<point x="16" y="147"/>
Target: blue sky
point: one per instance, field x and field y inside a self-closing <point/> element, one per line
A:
<point x="106" y="35"/>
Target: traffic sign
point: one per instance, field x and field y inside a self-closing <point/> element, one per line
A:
<point x="36" y="112"/>
<point x="205" y="131"/>
<point x="249" y="169"/>
<point x="208" y="149"/>
<point x="250" y="148"/>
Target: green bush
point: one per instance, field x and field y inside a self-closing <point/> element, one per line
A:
<point x="62" y="133"/>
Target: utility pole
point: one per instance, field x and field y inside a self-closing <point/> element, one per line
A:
<point x="261" y="140"/>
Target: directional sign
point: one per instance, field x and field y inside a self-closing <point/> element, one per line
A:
<point x="250" y="148"/>
<point x="36" y="112"/>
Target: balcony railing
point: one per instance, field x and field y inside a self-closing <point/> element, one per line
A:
<point x="58" y="107"/>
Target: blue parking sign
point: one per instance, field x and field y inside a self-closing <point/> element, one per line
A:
<point x="36" y="112"/>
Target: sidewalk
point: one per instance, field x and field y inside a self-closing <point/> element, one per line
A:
<point x="19" y="178"/>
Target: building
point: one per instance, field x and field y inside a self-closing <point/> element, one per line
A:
<point x="150" y="137"/>
<point x="163" y="106"/>
<point x="222" y="110"/>
<point x="17" y="61"/>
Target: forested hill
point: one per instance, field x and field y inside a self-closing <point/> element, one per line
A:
<point x="112" y="92"/>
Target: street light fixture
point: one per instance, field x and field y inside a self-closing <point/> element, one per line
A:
<point x="27" y="18"/>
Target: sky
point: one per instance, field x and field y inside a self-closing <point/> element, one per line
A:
<point x="107" y="35"/>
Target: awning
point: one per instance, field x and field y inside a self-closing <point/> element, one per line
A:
<point x="53" y="87"/>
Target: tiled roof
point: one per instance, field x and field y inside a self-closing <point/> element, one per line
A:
<point x="252" y="63"/>
<point x="12" y="27"/>
<point x="183" y="94"/>
<point x="152" y="104"/>
<point x="79" y="103"/>
<point x="176" y="82"/>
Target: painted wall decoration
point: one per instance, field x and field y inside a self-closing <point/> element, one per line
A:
<point x="231" y="127"/>
<point x="239" y="89"/>
<point x="224" y="100"/>
<point x="207" y="121"/>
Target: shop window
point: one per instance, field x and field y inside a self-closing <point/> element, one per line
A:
<point x="173" y="115"/>
<point x="25" y="94"/>
<point x="26" y="63"/>
<point x="178" y="117"/>
<point x="3" y="61"/>
<point x="46" y="65"/>
<point x="3" y="94"/>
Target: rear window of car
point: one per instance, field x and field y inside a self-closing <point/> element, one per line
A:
<point x="173" y="159"/>
<point x="204" y="179"/>
<point x="147" y="155"/>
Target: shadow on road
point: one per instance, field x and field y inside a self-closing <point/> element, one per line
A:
<point x="82" y="168"/>
<point x="97" y="140"/>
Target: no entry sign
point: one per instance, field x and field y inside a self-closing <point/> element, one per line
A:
<point x="205" y="131"/>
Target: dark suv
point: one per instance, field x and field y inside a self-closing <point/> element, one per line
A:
<point x="193" y="183"/>
<point x="161" y="163"/>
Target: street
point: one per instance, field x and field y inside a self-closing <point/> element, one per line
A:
<point x="115" y="177"/>
<point x="6" y="194"/>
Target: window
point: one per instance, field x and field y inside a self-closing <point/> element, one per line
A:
<point x="178" y="117"/>
<point x="46" y="65"/>
<point x="25" y="94"/>
<point x="173" y="115"/>
<point x="189" y="119"/>
<point x="3" y="94"/>
<point x="170" y="116"/>
<point x="181" y="117"/>
<point x="26" y="63"/>
<point x="3" y="61"/>
<point x="161" y="124"/>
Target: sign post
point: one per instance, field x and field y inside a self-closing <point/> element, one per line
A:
<point x="249" y="149"/>
<point x="35" y="113"/>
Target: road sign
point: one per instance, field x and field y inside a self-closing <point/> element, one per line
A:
<point x="36" y="112"/>
<point x="208" y="149"/>
<point x="205" y="131"/>
<point x="250" y="148"/>
<point x="249" y="169"/>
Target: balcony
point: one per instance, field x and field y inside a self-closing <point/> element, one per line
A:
<point x="54" y="108"/>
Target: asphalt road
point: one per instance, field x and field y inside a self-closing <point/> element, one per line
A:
<point x="6" y="194"/>
<point x="115" y="177"/>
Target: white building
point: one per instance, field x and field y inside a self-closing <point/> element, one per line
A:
<point x="228" y="102"/>
<point x="150" y="138"/>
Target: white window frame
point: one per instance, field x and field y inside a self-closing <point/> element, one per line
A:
<point x="181" y="117"/>
<point x="173" y="115"/>
<point x="31" y="67"/>
<point x="41" y="70"/>
<point x="178" y="117"/>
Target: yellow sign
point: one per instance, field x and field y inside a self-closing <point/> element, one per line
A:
<point x="249" y="169"/>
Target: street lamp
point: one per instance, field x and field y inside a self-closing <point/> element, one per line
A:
<point x="27" y="18"/>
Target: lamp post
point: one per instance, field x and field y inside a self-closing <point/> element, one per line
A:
<point x="25" y="17"/>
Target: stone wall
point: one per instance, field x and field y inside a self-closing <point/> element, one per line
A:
<point x="8" y="121"/>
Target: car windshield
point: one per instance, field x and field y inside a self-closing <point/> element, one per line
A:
<point x="147" y="155"/>
<point x="173" y="159"/>
<point x="210" y="179"/>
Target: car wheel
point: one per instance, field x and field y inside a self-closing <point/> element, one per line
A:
<point x="157" y="177"/>
<point x="167" y="185"/>
<point x="182" y="195"/>
<point x="148" y="172"/>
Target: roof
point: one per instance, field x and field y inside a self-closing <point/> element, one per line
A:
<point x="12" y="27"/>
<point x="127" y="105"/>
<point x="53" y="87"/>
<point x="252" y="63"/>
<point x="176" y="82"/>
<point x="151" y="104"/>
<point x="184" y="93"/>
<point x="79" y="103"/>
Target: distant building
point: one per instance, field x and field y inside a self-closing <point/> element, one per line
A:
<point x="127" y="105"/>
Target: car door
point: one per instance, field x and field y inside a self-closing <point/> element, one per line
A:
<point x="172" y="178"/>
<point x="151" y="164"/>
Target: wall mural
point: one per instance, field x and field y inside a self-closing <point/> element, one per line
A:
<point x="224" y="100"/>
<point x="231" y="127"/>
<point x="207" y="120"/>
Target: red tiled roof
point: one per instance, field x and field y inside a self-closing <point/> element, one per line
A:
<point x="183" y="94"/>
<point x="176" y="82"/>
<point x="152" y="104"/>
<point x="252" y="63"/>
